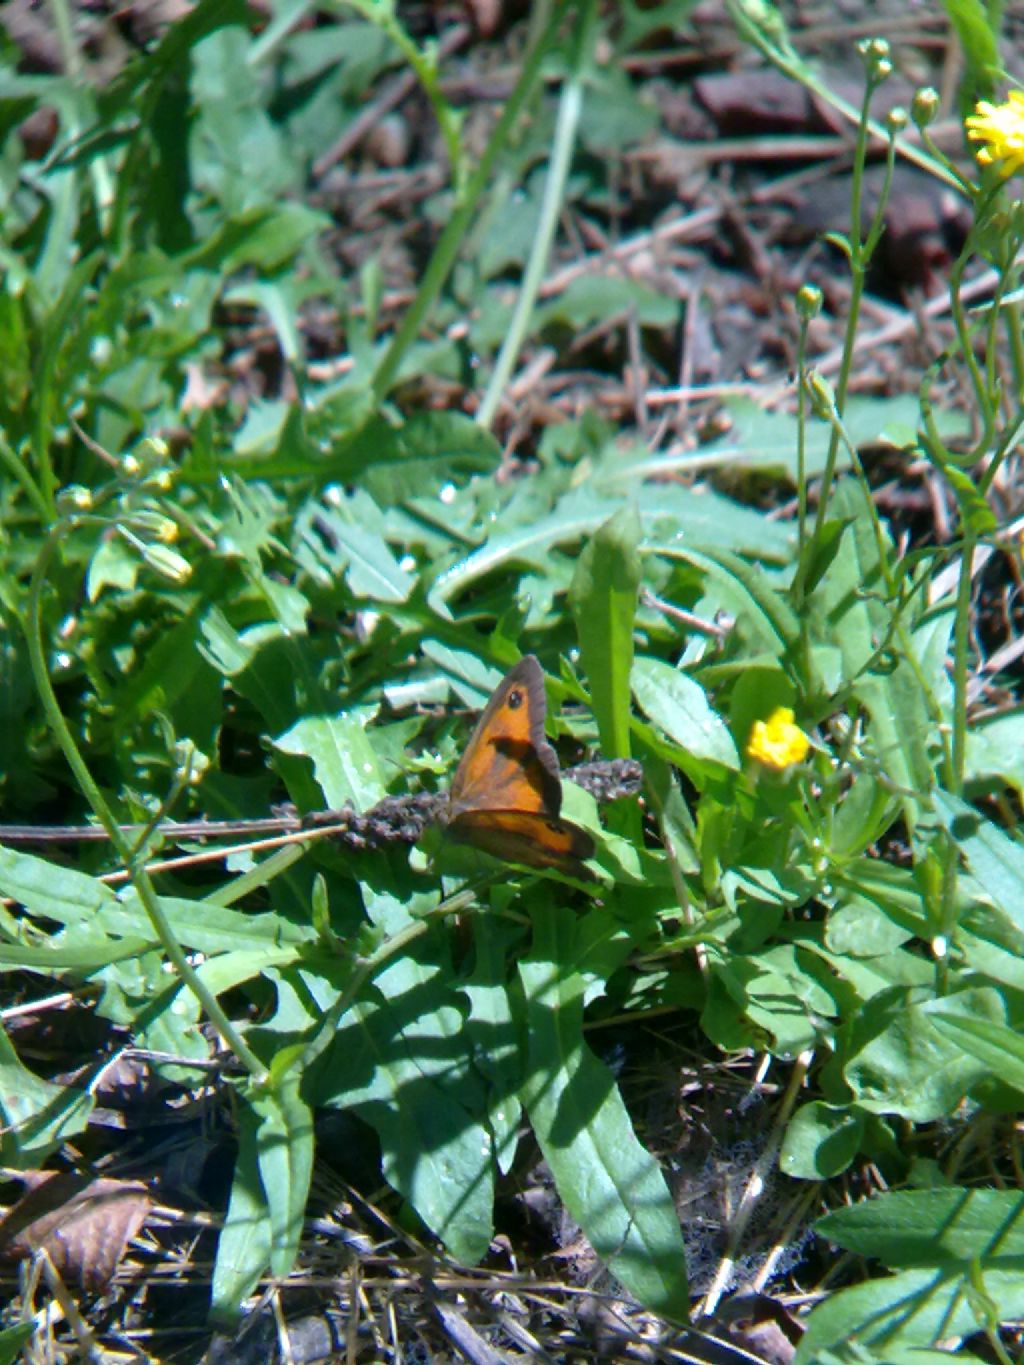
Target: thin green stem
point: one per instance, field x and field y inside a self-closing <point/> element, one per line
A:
<point x="782" y="56"/>
<point x="451" y="238"/>
<point x="961" y="646"/>
<point x="1015" y="334"/>
<point x="803" y="559"/>
<point x="858" y="276"/>
<point x="18" y="471"/>
<point x="140" y="878"/>
<point x="567" y="123"/>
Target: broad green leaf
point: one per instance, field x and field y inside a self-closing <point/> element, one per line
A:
<point x="1001" y="1049"/>
<point x="228" y="970"/>
<point x="116" y="564"/>
<point x="821" y="1140"/>
<point x="953" y="1226"/>
<point x="12" y="1339"/>
<point x="373" y="571"/>
<point x="991" y="943"/>
<point x="55" y="892"/>
<point x="995" y="861"/>
<point x="769" y="440"/>
<point x="679" y="706"/>
<point x="36" y="1116"/>
<point x="870" y="977"/>
<point x="167" y="1022"/>
<point x="864" y="814"/>
<point x="399" y="1060"/>
<point x="853" y="602"/>
<point x="755" y="598"/>
<point x="672" y="518"/>
<point x="593" y="297"/>
<point x="490" y="1031"/>
<point x="344" y="762"/>
<point x="345" y="537"/>
<point x="995" y="748"/>
<point x="58" y="954"/>
<point x="603" y="602"/>
<point x="206" y="927"/>
<point x="609" y="1183"/>
<point x="914" y="1310"/>
<point x="780" y="991"/>
<point x="471" y="680"/>
<point x="891" y="890"/>
<point x="284" y="1146"/>
<point x="246" y="1239"/>
<point x="860" y="928"/>
<point x="530" y="544"/>
<point x="901" y="1062"/>
<point x="429" y="454"/>
<point x="979" y="36"/>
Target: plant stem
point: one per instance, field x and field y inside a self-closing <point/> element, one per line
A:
<point x="130" y="856"/>
<point x="448" y="245"/>
<point x="551" y="206"/>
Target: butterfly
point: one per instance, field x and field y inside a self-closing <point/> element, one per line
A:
<point x="507" y="794"/>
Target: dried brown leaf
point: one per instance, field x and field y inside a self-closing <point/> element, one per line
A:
<point x="83" y="1224"/>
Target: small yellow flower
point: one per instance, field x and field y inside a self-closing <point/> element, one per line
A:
<point x="777" y="742"/>
<point x="1001" y="128"/>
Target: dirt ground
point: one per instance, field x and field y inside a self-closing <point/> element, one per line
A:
<point x="722" y="205"/>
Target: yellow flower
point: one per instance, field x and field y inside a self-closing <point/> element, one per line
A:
<point x="1001" y="128"/>
<point x="777" y="742"/>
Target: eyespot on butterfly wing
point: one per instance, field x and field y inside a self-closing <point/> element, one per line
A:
<point x="507" y="794"/>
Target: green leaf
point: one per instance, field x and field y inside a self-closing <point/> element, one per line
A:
<point x="1001" y="1049"/>
<point x="603" y="602"/>
<point x="951" y="1227"/>
<point x="246" y="1239"/>
<point x="819" y="553"/>
<point x="609" y="1183"/>
<point x="679" y="707"/>
<point x="821" y="1141"/>
<point x="344" y="762"/>
<point x="53" y="892"/>
<point x="756" y="439"/>
<point x="36" y="1116"/>
<point x="762" y="609"/>
<point x="995" y="861"/>
<point x="979" y="38"/>
<point x="399" y="1060"/>
<point x="855" y="608"/>
<point x="995" y="748"/>
<point x="372" y="571"/>
<point x="206" y="927"/>
<point x="421" y="458"/>
<point x="890" y="1320"/>
<point x="860" y="928"/>
<point x="285" y="1152"/>
<point x="114" y="565"/>
<point x="780" y="990"/>
<point x="901" y="1062"/>
<point x="490" y="1031"/>
<point x="12" y="1339"/>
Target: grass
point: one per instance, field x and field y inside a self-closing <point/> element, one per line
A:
<point x="261" y="541"/>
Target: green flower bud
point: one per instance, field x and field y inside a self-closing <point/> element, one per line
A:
<point x="168" y="563"/>
<point x="896" y="119"/>
<point x="925" y="106"/>
<point x="809" y="299"/>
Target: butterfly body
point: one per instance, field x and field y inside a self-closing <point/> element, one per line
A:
<point x="507" y="794"/>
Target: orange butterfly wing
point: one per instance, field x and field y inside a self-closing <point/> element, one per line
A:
<point x="507" y="792"/>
